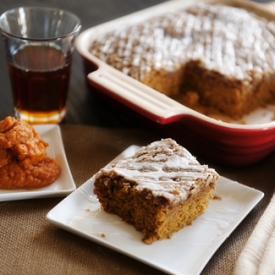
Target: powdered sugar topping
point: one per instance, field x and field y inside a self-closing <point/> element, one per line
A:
<point x="229" y="40"/>
<point x="165" y="168"/>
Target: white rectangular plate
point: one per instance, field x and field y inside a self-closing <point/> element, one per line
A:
<point x="64" y="183"/>
<point x="187" y="252"/>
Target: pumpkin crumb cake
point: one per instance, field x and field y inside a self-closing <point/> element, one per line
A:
<point x="159" y="190"/>
<point x="213" y="58"/>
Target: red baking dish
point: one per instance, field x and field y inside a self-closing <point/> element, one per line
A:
<point x="226" y="143"/>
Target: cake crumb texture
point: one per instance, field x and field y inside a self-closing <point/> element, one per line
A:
<point x="159" y="190"/>
<point x="211" y="56"/>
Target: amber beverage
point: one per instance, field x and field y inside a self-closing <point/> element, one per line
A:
<point x="39" y="44"/>
<point x="40" y="79"/>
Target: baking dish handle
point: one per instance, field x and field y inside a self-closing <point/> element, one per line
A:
<point x="138" y="96"/>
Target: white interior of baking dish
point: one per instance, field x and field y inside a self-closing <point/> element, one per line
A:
<point x="149" y="100"/>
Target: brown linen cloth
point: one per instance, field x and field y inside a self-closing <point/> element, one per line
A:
<point x="32" y="245"/>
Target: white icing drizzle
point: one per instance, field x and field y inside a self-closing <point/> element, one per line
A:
<point x="229" y="40"/>
<point x="165" y="168"/>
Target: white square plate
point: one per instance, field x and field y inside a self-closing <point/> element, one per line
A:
<point x="187" y="252"/>
<point x="64" y="183"/>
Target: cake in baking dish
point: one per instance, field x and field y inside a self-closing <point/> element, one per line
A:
<point x="207" y="55"/>
<point x="159" y="190"/>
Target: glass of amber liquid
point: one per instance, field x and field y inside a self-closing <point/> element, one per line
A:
<point x="39" y="44"/>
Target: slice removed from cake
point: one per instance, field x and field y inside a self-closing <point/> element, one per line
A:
<point x="159" y="190"/>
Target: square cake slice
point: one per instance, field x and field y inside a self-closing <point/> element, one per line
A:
<point x="159" y="190"/>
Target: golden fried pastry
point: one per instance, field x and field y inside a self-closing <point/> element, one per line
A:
<point x="23" y="159"/>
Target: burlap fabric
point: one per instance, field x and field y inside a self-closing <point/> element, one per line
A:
<point x="32" y="245"/>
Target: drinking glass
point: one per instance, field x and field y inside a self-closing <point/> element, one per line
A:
<point x="39" y="44"/>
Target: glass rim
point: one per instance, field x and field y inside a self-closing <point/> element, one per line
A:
<point x="52" y="38"/>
